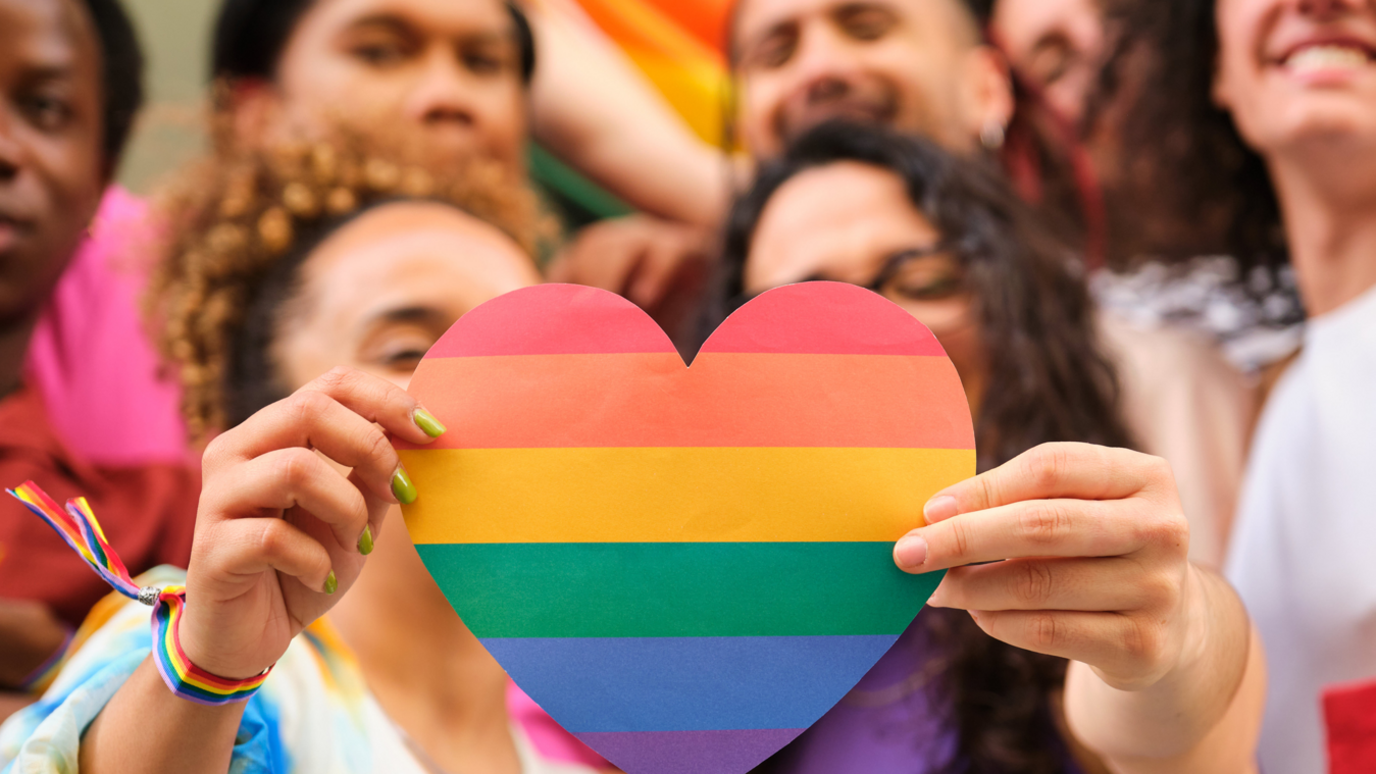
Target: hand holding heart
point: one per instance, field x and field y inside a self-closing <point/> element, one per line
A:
<point x="1088" y="549"/>
<point x="280" y="530"/>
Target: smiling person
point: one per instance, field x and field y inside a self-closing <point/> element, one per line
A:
<point x="69" y="88"/>
<point x="1279" y="97"/>
<point x="302" y="262"/>
<point x="1092" y="640"/>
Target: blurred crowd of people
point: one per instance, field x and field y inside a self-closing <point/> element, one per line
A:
<point x="1144" y="231"/>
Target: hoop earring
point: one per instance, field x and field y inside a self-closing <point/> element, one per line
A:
<point x="992" y="135"/>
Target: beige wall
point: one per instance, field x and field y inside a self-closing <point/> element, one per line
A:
<point x="176" y="42"/>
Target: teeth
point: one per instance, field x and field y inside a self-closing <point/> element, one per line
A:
<point x="1316" y="58"/>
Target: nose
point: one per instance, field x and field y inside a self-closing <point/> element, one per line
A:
<point x="443" y="95"/>
<point x="826" y="65"/>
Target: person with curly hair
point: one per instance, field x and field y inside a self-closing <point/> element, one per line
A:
<point x="303" y="287"/>
<point x="1263" y="120"/>
<point x="999" y="690"/>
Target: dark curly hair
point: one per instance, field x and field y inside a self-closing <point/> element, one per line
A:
<point x="1049" y="381"/>
<point x="1192" y="184"/>
<point x="241" y="228"/>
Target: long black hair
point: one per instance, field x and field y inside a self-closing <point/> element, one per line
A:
<point x="1193" y="185"/>
<point x="1048" y="381"/>
<point x="250" y="36"/>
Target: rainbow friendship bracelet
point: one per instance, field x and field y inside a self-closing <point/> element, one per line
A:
<point x="78" y="526"/>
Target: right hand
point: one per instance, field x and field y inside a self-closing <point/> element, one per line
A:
<point x="278" y="524"/>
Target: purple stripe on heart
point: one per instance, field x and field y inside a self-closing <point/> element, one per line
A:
<point x="689" y="752"/>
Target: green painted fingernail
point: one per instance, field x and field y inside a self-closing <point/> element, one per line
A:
<point x="402" y="487"/>
<point x="427" y="422"/>
<point x="365" y="541"/>
<point x="331" y="583"/>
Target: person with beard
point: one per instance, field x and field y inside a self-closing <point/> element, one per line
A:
<point x="925" y="67"/>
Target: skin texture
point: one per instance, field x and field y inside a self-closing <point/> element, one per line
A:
<point x="915" y="65"/>
<point x="441" y="76"/>
<point x="1070" y="550"/>
<point x="1316" y="131"/>
<point x="1057" y="45"/>
<point x="52" y="171"/>
<point x="288" y="493"/>
<point x="842" y="222"/>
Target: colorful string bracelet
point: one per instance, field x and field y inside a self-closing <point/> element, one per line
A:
<point x="78" y="526"/>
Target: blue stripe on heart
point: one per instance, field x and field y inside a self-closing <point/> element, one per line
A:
<point x="688" y="683"/>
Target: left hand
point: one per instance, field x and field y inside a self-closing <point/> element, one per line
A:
<point x="1088" y="558"/>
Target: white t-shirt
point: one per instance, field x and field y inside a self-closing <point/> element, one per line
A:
<point x="1304" y="551"/>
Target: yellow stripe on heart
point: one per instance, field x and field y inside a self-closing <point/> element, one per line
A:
<point x="629" y="495"/>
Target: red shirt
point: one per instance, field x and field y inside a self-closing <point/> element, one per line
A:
<point x="148" y="512"/>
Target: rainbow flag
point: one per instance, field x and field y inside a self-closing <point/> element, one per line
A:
<point x="685" y="567"/>
<point x="678" y="46"/>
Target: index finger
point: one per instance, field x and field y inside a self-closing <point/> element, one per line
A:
<point x="371" y="397"/>
<point x="1053" y="471"/>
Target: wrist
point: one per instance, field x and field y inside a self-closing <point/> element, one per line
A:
<point x="183" y="675"/>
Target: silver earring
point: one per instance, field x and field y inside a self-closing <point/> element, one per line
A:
<point x="992" y="135"/>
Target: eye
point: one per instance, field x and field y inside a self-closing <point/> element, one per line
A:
<point x="775" y="50"/>
<point x="488" y="60"/>
<point x="47" y="112"/>
<point x="380" y="48"/>
<point x="866" y="22"/>
<point x="929" y="278"/>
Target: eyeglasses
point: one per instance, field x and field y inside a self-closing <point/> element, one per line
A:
<point x="927" y="281"/>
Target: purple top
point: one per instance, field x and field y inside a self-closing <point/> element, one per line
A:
<point x="890" y="723"/>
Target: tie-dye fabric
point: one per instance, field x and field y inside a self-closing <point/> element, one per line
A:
<point x="314" y="715"/>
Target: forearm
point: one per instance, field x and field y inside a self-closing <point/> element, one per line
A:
<point x="593" y="109"/>
<point x="1203" y="716"/>
<point x="145" y="728"/>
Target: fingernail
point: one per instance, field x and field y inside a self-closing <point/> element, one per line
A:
<point x="402" y="486"/>
<point x="331" y="583"/>
<point x="940" y="509"/>
<point x="427" y="423"/>
<point x="365" y="541"/>
<point x="911" y="552"/>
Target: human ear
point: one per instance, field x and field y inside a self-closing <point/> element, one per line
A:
<point x="987" y="95"/>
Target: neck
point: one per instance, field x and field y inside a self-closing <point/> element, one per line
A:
<point x="1330" y="222"/>
<point x="427" y="671"/>
<point x="14" y="344"/>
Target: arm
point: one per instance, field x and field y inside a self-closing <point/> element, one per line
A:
<point x="1087" y="560"/>
<point x="277" y="534"/>
<point x="594" y="110"/>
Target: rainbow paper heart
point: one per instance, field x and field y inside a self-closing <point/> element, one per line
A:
<point x="685" y="567"/>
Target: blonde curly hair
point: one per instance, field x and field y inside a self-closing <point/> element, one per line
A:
<point x="233" y="220"/>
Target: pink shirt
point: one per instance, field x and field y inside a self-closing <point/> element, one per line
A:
<point x="90" y="357"/>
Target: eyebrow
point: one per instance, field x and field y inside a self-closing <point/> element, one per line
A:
<point x="407" y="314"/>
<point x="400" y="25"/>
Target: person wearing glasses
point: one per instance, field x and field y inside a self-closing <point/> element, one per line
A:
<point x="1048" y="673"/>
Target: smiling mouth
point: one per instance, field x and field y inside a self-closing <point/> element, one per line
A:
<point x="1328" y="57"/>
